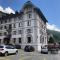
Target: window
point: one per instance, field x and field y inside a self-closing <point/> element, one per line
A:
<point x="14" y="25"/>
<point x="9" y="47"/>
<point x="19" y="40"/>
<point x="44" y="27"/>
<point x="20" y="31"/>
<point x="1" y="27"/>
<point x="0" y="34"/>
<point x="1" y="46"/>
<point x="14" y="32"/>
<point x="29" y="15"/>
<point x="20" y="17"/>
<point x="9" y="20"/>
<point x="41" y="39"/>
<point x="28" y="30"/>
<point x="5" y="33"/>
<point x="29" y="23"/>
<point x="10" y="26"/>
<point x="20" y="24"/>
<point x="1" y="22"/>
<point x="5" y="27"/>
<point x="14" y="40"/>
<point x="15" y="19"/>
<point x="0" y="41"/>
<point x="28" y="39"/>
<point x="5" y="21"/>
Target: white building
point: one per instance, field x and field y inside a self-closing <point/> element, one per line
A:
<point x="28" y="27"/>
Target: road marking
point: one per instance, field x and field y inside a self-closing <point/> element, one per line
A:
<point x="25" y="58"/>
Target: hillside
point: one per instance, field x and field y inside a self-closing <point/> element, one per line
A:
<point x="55" y="34"/>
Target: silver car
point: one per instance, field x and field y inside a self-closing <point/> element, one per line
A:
<point x="44" y="49"/>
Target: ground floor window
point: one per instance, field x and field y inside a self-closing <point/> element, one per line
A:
<point x="0" y="41"/>
<point x="6" y="40"/>
<point x="19" y="40"/>
<point x="28" y="39"/>
<point x="14" y="40"/>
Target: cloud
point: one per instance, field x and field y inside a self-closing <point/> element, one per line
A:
<point x="1" y="9"/>
<point x="53" y="27"/>
<point x="7" y="10"/>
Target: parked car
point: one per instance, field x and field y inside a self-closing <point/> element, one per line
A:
<point x="17" y="46"/>
<point x="29" y="48"/>
<point x="44" y="49"/>
<point x="7" y="49"/>
<point x="53" y="48"/>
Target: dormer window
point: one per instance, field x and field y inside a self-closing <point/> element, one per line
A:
<point x="29" y="9"/>
<point x="29" y="15"/>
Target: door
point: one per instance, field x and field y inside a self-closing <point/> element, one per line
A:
<point x="8" y="48"/>
<point x="13" y="50"/>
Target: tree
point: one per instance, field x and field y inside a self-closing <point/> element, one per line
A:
<point x="51" y="40"/>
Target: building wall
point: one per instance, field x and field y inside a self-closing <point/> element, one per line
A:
<point x="36" y="25"/>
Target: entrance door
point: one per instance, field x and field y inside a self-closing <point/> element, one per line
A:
<point x="28" y="39"/>
<point x="19" y="40"/>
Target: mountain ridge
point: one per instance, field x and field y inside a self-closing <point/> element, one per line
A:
<point x="56" y="35"/>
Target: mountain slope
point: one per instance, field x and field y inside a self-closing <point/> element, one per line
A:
<point x="56" y="35"/>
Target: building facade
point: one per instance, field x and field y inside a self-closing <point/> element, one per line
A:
<point x="28" y="27"/>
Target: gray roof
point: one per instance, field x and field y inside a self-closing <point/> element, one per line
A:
<point x="27" y="4"/>
<point x="30" y="4"/>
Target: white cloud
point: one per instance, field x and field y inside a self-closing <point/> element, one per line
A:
<point x="1" y="9"/>
<point x="7" y="10"/>
<point x="53" y="27"/>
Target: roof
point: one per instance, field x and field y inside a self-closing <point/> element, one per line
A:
<point x="30" y="4"/>
<point x="8" y="16"/>
<point x="27" y="4"/>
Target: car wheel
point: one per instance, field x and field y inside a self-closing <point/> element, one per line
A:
<point x="6" y="54"/>
<point x="16" y="52"/>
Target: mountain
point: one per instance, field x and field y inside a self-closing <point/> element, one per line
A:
<point x="56" y="35"/>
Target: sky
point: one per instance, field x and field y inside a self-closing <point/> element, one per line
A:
<point x="50" y="9"/>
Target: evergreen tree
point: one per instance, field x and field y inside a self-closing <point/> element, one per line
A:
<point x="51" y="40"/>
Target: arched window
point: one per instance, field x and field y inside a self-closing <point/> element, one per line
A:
<point x="29" y="38"/>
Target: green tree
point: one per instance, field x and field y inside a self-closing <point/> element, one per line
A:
<point x="51" y="40"/>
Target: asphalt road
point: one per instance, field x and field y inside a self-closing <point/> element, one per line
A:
<point x="31" y="56"/>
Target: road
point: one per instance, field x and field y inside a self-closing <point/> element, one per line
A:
<point x="31" y="56"/>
